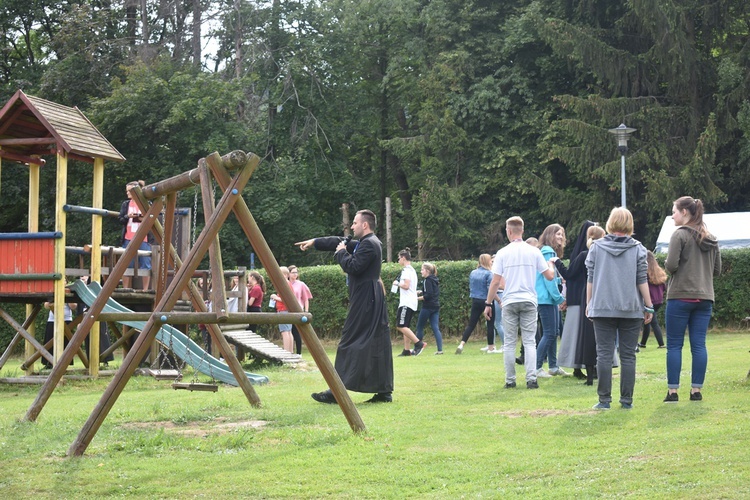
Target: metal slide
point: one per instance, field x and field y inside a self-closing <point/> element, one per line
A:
<point x="182" y="346"/>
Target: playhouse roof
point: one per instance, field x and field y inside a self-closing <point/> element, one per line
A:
<point x="33" y="126"/>
<point x="731" y="229"/>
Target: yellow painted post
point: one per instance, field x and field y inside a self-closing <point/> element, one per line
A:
<point x="33" y="224"/>
<point x="96" y="258"/>
<point x="61" y="198"/>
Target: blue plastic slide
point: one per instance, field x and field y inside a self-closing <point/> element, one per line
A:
<point x="180" y="344"/>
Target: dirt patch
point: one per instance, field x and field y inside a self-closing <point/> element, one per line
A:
<point x="543" y="413"/>
<point x="200" y="428"/>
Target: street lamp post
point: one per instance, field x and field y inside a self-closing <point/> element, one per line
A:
<point x="622" y="134"/>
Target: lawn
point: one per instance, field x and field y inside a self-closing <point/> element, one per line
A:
<point x="452" y="431"/>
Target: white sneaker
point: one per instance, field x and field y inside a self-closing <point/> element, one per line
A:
<point x="495" y="351"/>
<point x="542" y="373"/>
<point x="559" y="371"/>
<point x="484" y="348"/>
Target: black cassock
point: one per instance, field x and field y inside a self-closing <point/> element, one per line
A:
<point x="364" y="359"/>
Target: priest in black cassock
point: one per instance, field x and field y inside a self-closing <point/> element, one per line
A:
<point x="364" y="359"/>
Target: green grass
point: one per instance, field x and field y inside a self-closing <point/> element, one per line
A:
<point x="451" y="432"/>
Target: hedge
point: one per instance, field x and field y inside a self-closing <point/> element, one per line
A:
<point x="330" y="297"/>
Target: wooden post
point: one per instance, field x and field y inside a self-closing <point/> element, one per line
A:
<point x="345" y="221"/>
<point x="420" y="243"/>
<point x="61" y="226"/>
<point x="388" y="231"/>
<point x="259" y="244"/>
<point x="33" y="223"/>
<point x="96" y="258"/>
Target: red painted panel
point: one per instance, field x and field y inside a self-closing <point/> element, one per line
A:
<point x="27" y="257"/>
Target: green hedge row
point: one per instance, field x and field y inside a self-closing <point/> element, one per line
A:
<point x="330" y="298"/>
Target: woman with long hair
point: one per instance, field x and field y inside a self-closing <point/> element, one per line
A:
<point x="693" y="259"/>
<point x="303" y="295"/>
<point x="256" y="288"/>
<point x="430" y="298"/>
<point x="551" y="243"/>
<point x="479" y="285"/>
<point x="657" y="285"/>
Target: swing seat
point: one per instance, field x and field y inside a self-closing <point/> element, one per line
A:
<point x="195" y="386"/>
<point x="165" y="374"/>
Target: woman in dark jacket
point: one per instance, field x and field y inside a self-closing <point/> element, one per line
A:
<point x="430" y="305"/>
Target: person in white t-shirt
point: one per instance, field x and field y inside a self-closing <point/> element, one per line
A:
<point x="516" y="267"/>
<point x="407" y="304"/>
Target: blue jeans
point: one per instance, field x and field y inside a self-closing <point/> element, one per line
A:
<point x="499" y="332"/>
<point x="434" y="316"/>
<point x="695" y="317"/>
<point x="547" y="347"/>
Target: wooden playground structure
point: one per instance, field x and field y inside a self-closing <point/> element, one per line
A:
<point x="30" y="128"/>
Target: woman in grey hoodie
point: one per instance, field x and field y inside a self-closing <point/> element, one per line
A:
<point x="618" y="302"/>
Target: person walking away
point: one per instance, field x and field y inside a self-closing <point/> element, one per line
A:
<point x="364" y="358"/>
<point x="479" y="283"/>
<point x="693" y="259"/>
<point x="430" y="298"/>
<point x="657" y="279"/>
<point x="407" y="304"/>
<point x="303" y="295"/>
<point x="551" y="244"/>
<point x="515" y="270"/>
<point x="618" y="302"/>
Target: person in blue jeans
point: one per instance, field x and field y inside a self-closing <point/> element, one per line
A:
<point x="693" y="259"/>
<point x="479" y="284"/>
<point x="430" y="297"/>
<point x="551" y="243"/>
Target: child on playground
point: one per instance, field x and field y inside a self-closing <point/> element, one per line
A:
<point x="286" y="329"/>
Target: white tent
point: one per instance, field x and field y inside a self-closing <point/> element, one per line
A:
<point x="731" y="229"/>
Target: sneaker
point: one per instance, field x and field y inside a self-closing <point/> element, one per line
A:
<point x="542" y="373"/>
<point x="672" y="397"/>
<point x="637" y="349"/>
<point x="459" y="349"/>
<point x="627" y="406"/>
<point x="324" y="397"/>
<point x="405" y="352"/>
<point x="510" y="385"/>
<point x="381" y="397"/>
<point x="558" y="371"/>
<point x="532" y="384"/>
<point x="418" y="348"/>
<point x="662" y="347"/>
<point x="601" y="406"/>
<point x="641" y="345"/>
<point x="438" y="353"/>
<point x="696" y="396"/>
<point x="495" y="351"/>
<point x="484" y="348"/>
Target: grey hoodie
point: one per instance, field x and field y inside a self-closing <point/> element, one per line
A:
<point x="616" y="265"/>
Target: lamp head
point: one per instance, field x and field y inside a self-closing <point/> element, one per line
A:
<point x="622" y="134"/>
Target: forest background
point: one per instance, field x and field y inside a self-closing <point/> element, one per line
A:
<point x="464" y="112"/>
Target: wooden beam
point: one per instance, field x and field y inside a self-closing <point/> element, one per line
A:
<point x="27" y="141"/>
<point x="21" y="158"/>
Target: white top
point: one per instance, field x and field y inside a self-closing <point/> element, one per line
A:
<point x="519" y="263"/>
<point x="408" y="297"/>
<point x="67" y="313"/>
